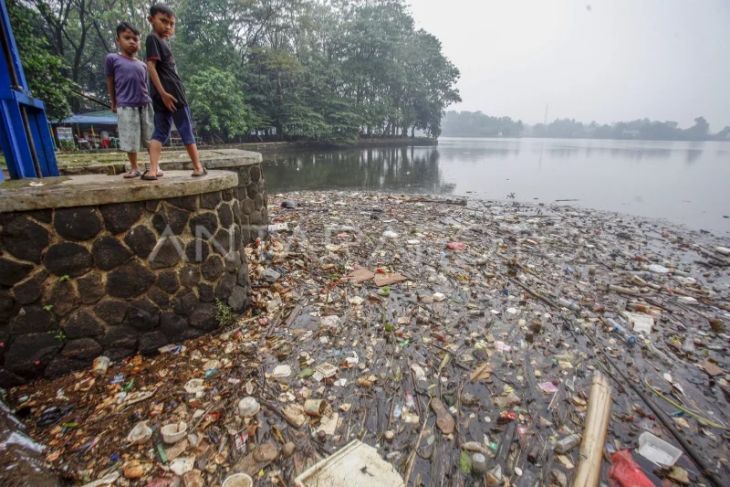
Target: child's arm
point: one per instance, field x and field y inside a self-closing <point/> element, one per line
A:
<point x="112" y="92"/>
<point x="109" y="71"/>
<point x="167" y="99"/>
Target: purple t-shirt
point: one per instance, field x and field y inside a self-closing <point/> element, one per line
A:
<point x="130" y="80"/>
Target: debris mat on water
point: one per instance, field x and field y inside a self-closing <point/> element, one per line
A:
<point x="458" y="340"/>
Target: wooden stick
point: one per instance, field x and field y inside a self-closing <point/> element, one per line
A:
<point x="594" y="433"/>
<point x="412" y="456"/>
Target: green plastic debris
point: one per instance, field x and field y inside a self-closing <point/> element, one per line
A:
<point x="161" y="452"/>
<point x="465" y="463"/>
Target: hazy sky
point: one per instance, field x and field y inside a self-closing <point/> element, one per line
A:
<point x="603" y="60"/>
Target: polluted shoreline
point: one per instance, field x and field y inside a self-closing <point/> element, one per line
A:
<point x="419" y="340"/>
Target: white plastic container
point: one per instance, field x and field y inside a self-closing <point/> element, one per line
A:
<point x="174" y="432"/>
<point x="238" y="480"/>
<point x="657" y="450"/>
<point x="344" y="468"/>
<point x="248" y="407"/>
<point x="640" y="322"/>
<point x="141" y="433"/>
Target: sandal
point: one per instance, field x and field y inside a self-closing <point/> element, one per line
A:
<point x="200" y="174"/>
<point x="160" y="173"/>
<point x="148" y="177"/>
<point x="132" y="174"/>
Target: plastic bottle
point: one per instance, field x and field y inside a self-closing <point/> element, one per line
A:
<point x="567" y="303"/>
<point x="617" y="328"/>
<point x="566" y="444"/>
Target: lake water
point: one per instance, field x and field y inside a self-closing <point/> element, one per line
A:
<point x="683" y="182"/>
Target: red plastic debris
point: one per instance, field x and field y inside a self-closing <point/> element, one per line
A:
<point x="507" y="417"/>
<point x="625" y="472"/>
<point x="456" y="246"/>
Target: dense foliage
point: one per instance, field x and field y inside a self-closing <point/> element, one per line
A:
<point x="43" y="69"/>
<point x="327" y="70"/>
<point x="477" y="124"/>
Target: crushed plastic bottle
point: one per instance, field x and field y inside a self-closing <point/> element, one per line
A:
<point x="566" y="444"/>
<point x="619" y="329"/>
<point x="567" y="303"/>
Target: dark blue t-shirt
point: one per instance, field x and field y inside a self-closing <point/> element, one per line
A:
<point x="159" y="50"/>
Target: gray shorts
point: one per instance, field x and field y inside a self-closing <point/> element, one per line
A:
<point x="136" y="125"/>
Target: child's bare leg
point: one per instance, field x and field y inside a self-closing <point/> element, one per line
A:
<point x="155" y="151"/>
<point x="132" y="156"/>
<point x="195" y="157"/>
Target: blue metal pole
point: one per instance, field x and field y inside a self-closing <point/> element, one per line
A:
<point x="25" y="136"/>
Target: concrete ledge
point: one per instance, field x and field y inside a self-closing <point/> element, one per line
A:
<point x="97" y="189"/>
<point x="216" y="159"/>
<point x="116" y="162"/>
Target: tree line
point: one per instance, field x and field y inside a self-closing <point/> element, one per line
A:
<point x="478" y="124"/>
<point x="325" y="70"/>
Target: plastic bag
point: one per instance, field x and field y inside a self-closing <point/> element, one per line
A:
<point x="625" y="472"/>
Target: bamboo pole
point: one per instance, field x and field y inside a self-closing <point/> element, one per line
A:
<point x="594" y="433"/>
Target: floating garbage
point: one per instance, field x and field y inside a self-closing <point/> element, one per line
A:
<point x="626" y="472"/>
<point x="174" y="432"/>
<point x="469" y="365"/>
<point x="238" y="480"/>
<point x="248" y="407"/>
<point x="195" y="386"/>
<point x="657" y="269"/>
<point x="355" y="464"/>
<point x="140" y="434"/>
<point x="315" y="407"/>
<point x="281" y="372"/>
<point x="641" y="323"/>
<point x="657" y="450"/>
<point x="101" y="364"/>
<point x="722" y="250"/>
<point x="182" y="465"/>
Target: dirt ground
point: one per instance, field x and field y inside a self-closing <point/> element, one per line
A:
<point x="460" y="340"/>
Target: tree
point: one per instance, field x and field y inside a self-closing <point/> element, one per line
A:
<point x="322" y="70"/>
<point x="216" y="99"/>
<point x="700" y="130"/>
<point x="723" y="134"/>
<point x="43" y="70"/>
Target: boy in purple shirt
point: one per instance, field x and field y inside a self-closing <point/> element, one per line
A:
<point x="126" y="81"/>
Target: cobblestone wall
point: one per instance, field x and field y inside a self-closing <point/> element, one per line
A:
<point x="116" y="279"/>
<point x="251" y="191"/>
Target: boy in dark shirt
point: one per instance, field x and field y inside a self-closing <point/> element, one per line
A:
<point x="168" y="93"/>
<point x="126" y="81"/>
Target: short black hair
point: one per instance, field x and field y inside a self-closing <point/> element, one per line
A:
<point x="161" y="8"/>
<point x="126" y="26"/>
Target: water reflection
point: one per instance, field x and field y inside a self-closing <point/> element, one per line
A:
<point x="680" y="181"/>
<point x="383" y="169"/>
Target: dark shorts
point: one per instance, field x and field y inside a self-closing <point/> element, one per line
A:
<point x="183" y="122"/>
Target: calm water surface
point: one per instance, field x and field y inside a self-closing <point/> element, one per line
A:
<point x="683" y="182"/>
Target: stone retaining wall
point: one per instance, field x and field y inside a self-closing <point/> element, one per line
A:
<point x="251" y="190"/>
<point x="246" y="164"/>
<point x="116" y="279"/>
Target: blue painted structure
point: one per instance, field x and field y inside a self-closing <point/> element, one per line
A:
<point x="25" y="136"/>
<point x="93" y="118"/>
